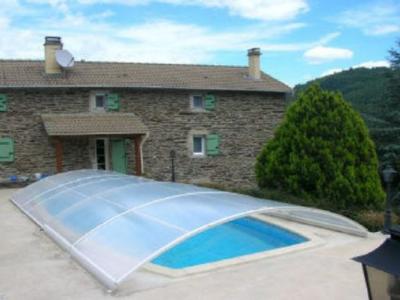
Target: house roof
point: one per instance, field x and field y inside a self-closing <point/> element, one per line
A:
<point x="85" y="124"/>
<point x="30" y="74"/>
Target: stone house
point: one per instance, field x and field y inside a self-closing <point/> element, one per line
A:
<point x="129" y="117"/>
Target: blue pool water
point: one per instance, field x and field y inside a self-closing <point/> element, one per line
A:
<point x="236" y="238"/>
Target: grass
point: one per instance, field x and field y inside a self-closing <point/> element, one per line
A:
<point x="372" y="220"/>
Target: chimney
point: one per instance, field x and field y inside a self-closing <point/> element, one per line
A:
<point x="51" y="44"/>
<point x="254" y="63"/>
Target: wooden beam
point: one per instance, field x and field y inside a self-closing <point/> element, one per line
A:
<point x="138" y="155"/>
<point x="59" y="155"/>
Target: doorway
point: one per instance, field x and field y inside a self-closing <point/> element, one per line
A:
<point x="110" y="154"/>
<point x="102" y="154"/>
<point x="118" y="155"/>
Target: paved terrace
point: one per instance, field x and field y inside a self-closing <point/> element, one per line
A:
<point x="33" y="267"/>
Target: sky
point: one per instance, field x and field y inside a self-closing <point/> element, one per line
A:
<point x="300" y="39"/>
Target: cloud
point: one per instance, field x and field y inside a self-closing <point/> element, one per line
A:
<point x="157" y="40"/>
<point x="8" y="5"/>
<point x="331" y="71"/>
<point x="259" y="9"/>
<point x="4" y="23"/>
<point x="183" y="37"/>
<point x="94" y="37"/>
<point x="383" y="29"/>
<point x="291" y="47"/>
<point x="322" y="54"/>
<point x="373" y="19"/>
<point x="266" y="10"/>
<point x="373" y="64"/>
<point x="153" y="41"/>
<point x="368" y="64"/>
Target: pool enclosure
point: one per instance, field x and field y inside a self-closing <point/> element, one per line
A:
<point x="113" y="223"/>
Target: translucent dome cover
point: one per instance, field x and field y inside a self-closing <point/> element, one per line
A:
<point x="114" y="223"/>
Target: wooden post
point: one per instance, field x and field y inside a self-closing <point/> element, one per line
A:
<point x="59" y="155"/>
<point x="138" y="155"/>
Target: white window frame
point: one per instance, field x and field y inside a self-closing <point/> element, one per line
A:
<point x="195" y="108"/>
<point x="203" y="145"/>
<point x="93" y="107"/>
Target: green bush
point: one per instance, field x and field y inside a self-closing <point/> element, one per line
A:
<point x="372" y="220"/>
<point x="322" y="152"/>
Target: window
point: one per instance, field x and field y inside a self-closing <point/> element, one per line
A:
<point x="100" y="101"/>
<point x="202" y="102"/>
<point x="197" y="102"/>
<point x="201" y="143"/>
<point x="198" y="145"/>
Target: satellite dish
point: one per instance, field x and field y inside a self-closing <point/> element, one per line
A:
<point x="64" y="59"/>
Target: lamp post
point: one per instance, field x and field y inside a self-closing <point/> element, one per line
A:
<point x="382" y="268"/>
<point x="388" y="176"/>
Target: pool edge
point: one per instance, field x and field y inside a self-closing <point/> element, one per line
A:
<point x="312" y="242"/>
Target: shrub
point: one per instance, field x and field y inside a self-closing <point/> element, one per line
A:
<point x="322" y="152"/>
<point x="372" y="220"/>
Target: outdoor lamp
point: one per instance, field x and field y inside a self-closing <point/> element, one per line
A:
<point x="382" y="268"/>
<point x="388" y="175"/>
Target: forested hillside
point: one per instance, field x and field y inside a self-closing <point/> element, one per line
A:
<point x="367" y="90"/>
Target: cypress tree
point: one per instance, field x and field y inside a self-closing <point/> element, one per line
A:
<point x="322" y="152"/>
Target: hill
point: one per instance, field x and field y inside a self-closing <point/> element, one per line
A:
<point x="367" y="91"/>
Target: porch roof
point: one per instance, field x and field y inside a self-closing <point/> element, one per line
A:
<point x="85" y="124"/>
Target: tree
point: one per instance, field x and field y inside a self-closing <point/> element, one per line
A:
<point x="387" y="134"/>
<point x="322" y="152"/>
<point x="394" y="86"/>
<point x="390" y="136"/>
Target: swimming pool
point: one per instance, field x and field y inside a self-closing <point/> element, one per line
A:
<point x="236" y="238"/>
<point x="115" y="224"/>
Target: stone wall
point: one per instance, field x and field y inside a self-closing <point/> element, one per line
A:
<point x="244" y="121"/>
<point x="34" y="150"/>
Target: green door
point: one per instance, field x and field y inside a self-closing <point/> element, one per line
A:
<point x="118" y="155"/>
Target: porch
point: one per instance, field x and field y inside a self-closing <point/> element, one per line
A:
<point x="109" y="137"/>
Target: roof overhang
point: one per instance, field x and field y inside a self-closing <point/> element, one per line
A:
<point x="90" y="124"/>
<point x="286" y="90"/>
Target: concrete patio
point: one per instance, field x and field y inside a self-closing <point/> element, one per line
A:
<point x="33" y="267"/>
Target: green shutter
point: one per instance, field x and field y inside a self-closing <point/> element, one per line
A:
<point x="209" y="102"/>
<point x="212" y="144"/>
<point x="6" y="149"/>
<point x="3" y="102"/>
<point x="112" y="102"/>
